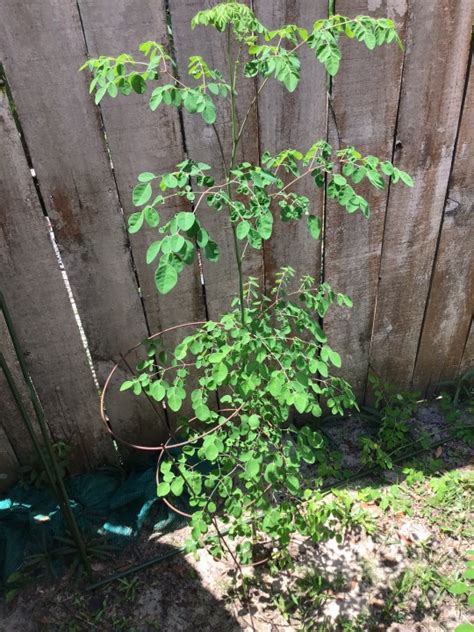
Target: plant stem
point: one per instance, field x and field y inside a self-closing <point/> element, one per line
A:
<point x="232" y="75"/>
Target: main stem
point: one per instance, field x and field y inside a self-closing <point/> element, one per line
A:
<point x="235" y="139"/>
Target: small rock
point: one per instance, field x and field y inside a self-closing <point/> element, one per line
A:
<point x="415" y="532"/>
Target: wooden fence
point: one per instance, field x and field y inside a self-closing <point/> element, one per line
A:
<point x="408" y="270"/>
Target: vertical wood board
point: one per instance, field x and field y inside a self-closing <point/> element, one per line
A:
<point x="365" y="96"/>
<point x="432" y="91"/>
<point x="42" y="45"/>
<point x="467" y="360"/>
<point x="221" y="278"/>
<point x="450" y="303"/>
<point x="142" y="140"/>
<point x="36" y="296"/>
<point x="293" y="120"/>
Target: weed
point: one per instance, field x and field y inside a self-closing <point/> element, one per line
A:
<point x="129" y="587"/>
<point x="391" y="415"/>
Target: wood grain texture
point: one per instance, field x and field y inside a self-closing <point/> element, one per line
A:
<point x="294" y="120"/>
<point x="37" y="300"/>
<point x="467" y="360"/>
<point x="365" y="96"/>
<point x="10" y="417"/>
<point x="450" y="303"/>
<point x="42" y="46"/>
<point x="432" y="90"/>
<point x="141" y="140"/>
<point x="221" y="278"/>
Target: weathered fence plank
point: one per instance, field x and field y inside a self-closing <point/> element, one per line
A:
<point x="31" y="281"/>
<point x="295" y="120"/>
<point x="450" y="303"/>
<point x="408" y="270"/>
<point x="68" y="151"/>
<point x="467" y="360"/>
<point x="432" y="90"/>
<point x="365" y="96"/>
<point x="10" y="417"/>
<point x="141" y="140"/>
<point x="221" y="278"/>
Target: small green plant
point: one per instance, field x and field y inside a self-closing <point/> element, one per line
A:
<point x="306" y="595"/>
<point x="242" y="461"/>
<point x="333" y="514"/>
<point x="129" y="587"/>
<point x="463" y="588"/>
<point x="465" y="585"/>
<point x="35" y="475"/>
<point x="391" y="414"/>
<point x="421" y="581"/>
<point x="449" y="502"/>
<point x="14" y="585"/>
<point x="456" y="398"/>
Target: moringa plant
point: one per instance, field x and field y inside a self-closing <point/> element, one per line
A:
<point x="239" y="464"/>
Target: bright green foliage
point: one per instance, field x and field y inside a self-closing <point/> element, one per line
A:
<point x="392" y="413"/>
<point x="463" y="588"/>
<point x="264" y="369"/>
<point x="124" y="75"/>
<point x="269" y="355"/>
<point x="235" y="15"/>
<point x="248" y="195"/>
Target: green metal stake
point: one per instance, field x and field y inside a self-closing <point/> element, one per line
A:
<point x="27" y="420"/>
<point x="56" y="480"/>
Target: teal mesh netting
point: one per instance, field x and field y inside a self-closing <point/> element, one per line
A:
<point x="107" y="505"/>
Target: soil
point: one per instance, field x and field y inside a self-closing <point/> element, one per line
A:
<point x="361" y="575"/>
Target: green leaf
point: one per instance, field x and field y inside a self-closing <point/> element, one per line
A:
<point x="335" y="358"/>
<point x="265" y="225"/>
<point x="458" y="588"/>
<point x="135" y="222"/>
<point x="141" y="193"/>
<point x="152" y="217"/>
<point x="314" y="226"/>
<point x="152" y="251"/>
<point x="177" y="486"/>
<point x="158" y="391"/>
<point x="293" y="483"/>
<point x="146" y="176"/>
<point x="242" y="229"/>
<point x="301" y="401"/>
<point x="211" y="451"/>
<point x="387" y="168"/>
<point x="323" y="368"/>
<point x="163" y="489"/>
<point x="156" y="98"/>
<point x="185" y="220"/>
<point x="177" y="242"/>
<point x="406" y="178"/>
<point x="252" y="468"/>
<point x="464" y="627"/>
<point x="211" y="250"/>
<point x="220" y="372"/>
<point x="202" y="412"/>
<point x="209" y="113"/>
<point x="100" y="94"/>
<point x="126" y="385"/>
<point x="138" y="84"/>
<point x="174" y="399"/>
<point x="166" y="276"/>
